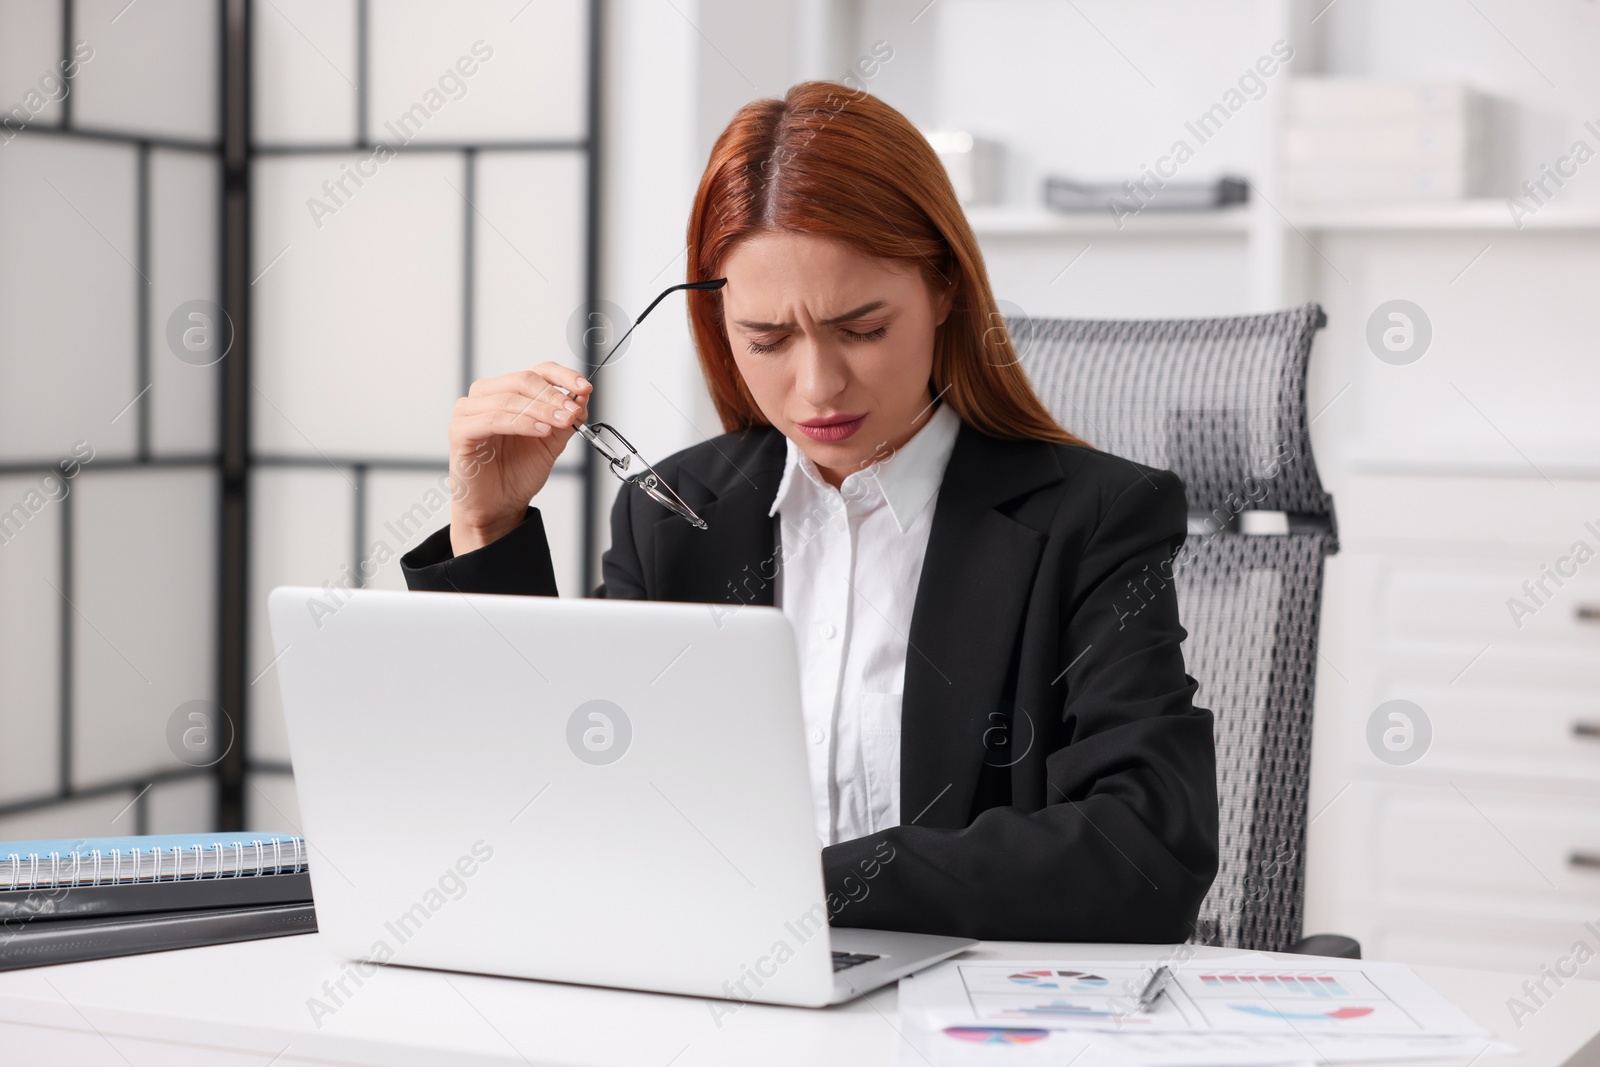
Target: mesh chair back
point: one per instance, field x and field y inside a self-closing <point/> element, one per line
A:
<point x="1221" y="402"/>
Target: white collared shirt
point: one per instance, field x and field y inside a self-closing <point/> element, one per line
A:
<point x="851" y="561"/>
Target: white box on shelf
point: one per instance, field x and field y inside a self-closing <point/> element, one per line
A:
<point x="1365" y="100"/>
<point x="1324" y="183"/>
<point x="973" y="164"/>
<point x="1361" y="139"/>
<point x="1439" y="142"/>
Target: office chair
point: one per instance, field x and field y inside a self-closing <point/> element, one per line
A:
<point x="1222" y="403"/>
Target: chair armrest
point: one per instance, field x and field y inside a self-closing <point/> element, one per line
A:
<point x="1347" y="948"/>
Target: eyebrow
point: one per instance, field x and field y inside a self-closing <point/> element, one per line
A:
<point x="854" y="313"/>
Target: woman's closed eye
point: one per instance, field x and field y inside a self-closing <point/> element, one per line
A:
<point x="850" y="335"/>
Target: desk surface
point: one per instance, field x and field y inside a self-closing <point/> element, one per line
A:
<point x="252" y="1003"/>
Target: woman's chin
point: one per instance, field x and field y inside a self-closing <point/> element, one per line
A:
<point x="841" y="456"/>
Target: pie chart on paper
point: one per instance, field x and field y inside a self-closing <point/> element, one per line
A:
<point x="1077" y="981"/>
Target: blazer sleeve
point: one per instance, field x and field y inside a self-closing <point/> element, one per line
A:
<point x="519" y="562"/>
<point x="1124" y="847"/>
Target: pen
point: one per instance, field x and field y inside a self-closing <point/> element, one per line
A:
<point x="1152" y="989"/>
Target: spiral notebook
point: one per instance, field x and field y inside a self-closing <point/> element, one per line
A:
<point x="75" y="878"/>
<point x="78" y="899"/>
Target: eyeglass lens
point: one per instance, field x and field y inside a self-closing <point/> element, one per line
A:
<point x="658" y="491"/>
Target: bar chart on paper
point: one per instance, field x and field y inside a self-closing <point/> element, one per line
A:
<point x="1251" y="1000"/>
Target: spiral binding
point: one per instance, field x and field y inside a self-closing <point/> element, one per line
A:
<point x="288" y="856"/>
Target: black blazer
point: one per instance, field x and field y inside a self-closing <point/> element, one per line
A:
<point x="1057" y="782"/>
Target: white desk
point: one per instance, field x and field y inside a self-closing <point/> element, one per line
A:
<point x="247" y="1004"/>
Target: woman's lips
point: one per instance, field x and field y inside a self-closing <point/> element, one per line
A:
<point x="835" y="431"/>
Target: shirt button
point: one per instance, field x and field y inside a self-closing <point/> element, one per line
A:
<point x="826" y="629"/>
<point x="817" y="737"/>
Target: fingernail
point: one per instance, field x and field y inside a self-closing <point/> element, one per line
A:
<point x="562" y="416"/>
<point x="569" y="405"/>
<point x="583" y="381"/>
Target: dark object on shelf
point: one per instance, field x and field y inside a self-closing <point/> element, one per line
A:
<point x="1148" y="194"/>
<point x="36" y="944"/>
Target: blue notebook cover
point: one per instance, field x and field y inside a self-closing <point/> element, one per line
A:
<point x="151" y="858"/>
<point x="66" y="846"/>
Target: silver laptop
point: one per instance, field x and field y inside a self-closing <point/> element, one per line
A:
<point x="606" y="792"/>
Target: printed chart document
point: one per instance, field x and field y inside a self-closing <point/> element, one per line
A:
<point x="1248" y="1008"/>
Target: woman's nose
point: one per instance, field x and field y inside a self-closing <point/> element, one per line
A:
<point x="820" y="375"/>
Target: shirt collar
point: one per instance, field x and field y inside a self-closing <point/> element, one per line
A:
<point x="907" y="478"/>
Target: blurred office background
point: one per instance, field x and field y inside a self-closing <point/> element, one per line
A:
<point x="165" y="159"/>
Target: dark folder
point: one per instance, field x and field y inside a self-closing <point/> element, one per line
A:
<point x="134" y="898"/>
<point x="33" y="944"/>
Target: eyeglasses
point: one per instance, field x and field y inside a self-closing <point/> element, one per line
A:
<point x="622" y="459"/>
<point x="607" y="440"/>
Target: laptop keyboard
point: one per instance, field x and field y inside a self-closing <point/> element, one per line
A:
<point x="845" y="960"/>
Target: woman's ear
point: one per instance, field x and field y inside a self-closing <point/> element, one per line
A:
<point x="942" y="305"/>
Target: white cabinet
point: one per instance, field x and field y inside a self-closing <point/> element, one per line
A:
<point x="1483" y="848"/>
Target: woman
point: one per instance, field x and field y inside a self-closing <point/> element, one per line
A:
<point x="999" y="748"/>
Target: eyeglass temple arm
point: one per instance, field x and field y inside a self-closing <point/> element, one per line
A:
<point x="714" y="283"/>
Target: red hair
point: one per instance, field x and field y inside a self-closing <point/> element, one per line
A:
<point x="837" y="162"/>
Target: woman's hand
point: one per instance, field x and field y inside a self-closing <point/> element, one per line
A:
<point x="505" y="437"/>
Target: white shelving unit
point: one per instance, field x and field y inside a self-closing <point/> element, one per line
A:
<point x="1460" y="215"/>
<point x="1456" y="478"/>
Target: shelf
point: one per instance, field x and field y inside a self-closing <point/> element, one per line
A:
<point x="1005" y="221"/>
<point x="1443" y="215"/>
<point x="1570" y="466"/>
<point x="1407" y="217"/>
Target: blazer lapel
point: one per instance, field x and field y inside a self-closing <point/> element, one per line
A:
<point x="734" y="559"/>
<point x="976" y="581"/>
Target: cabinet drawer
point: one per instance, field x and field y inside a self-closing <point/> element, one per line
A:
<point x="1489" y="729"/>
<point x="1526" y="854"/>
<point x="1477" y="942"/>
<point x="1472" y="602"/>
